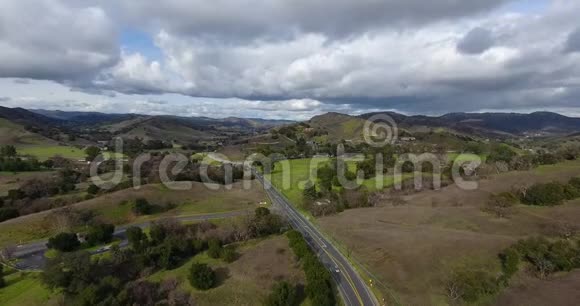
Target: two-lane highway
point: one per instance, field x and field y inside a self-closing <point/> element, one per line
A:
<point x="352" y="287"/>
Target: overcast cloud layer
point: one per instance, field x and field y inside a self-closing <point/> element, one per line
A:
<point x="290" y="58"/>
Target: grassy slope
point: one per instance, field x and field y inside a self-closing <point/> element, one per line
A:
<point x="246" y="281"/>
<point x="44" y="152"/>
<point x="411" y="248"/>
<point x="198" y="200"/>
<point x="24" y="289"/>
<point x="12" y="133"/>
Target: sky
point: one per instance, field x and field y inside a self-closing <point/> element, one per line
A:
<point x="290" y="59"/>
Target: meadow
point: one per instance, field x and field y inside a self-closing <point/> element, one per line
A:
<point x="409" y="249"/>
<point x="246" y="281"/>
<point x="44" y="152"/>
<point x="116" y="208"/>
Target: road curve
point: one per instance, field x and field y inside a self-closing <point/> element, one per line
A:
<point x="352" y="287"/>
<point x="31" y="255"/>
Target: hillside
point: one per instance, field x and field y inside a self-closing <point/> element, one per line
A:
<point x="86" y="118"/>
<point x="168" y="129"/>
<point x="339" y="126"/>
<point x="12" y="133"/>
<point x="495" y="124"/>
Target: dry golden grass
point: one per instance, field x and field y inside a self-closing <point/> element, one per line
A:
<point x="411" y="248"/>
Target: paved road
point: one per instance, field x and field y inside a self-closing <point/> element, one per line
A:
<point x="31" y="255"/>
<point x="352" y="287"/>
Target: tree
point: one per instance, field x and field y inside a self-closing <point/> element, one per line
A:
<point x="2" y="282"/>
<point x="93" y="189"/>
<point x="283" y="294"/>
<point x="201" y="276"/>
<point x="261" y="211"/>
<point x="309" y="192"/>
<point x="137" y="239"/>
<point x="500" y="152"/>
<point x="100" y="233"/>
<point x="214" y="248"/>
<point x="142" y="207"/>
<point x="92" y="152"/>
<point x="549" y="194"/>
<point x="64" y="242"/>
<point x="8" y="213"/>
<point x="8" y="151"/>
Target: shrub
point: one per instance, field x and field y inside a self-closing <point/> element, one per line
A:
<point x="137" y="239"/>
<point x="501" y="204"/>
<point x="142" y="207"/>
<point x="501" y="153"/>
<point x="309" y="192"/>
<point x="261" y="212"/>
<point x="2" y="282"/>
<point x="510" y="260"/>
<point x="201" y="276"/>
<point x="471" y="285"/>
<point x="228" y="254"/>
<point x="214" y="248"/>
<point x="100" y="233"/>
<point x="575" y="182"/>
<point x="93" y="189"/>
<point x="283" y="294"/>
<point x="64" y="242"/>
<point x="8" y="213"/>
<point x="549" y="194"/>
<point x="571" y="192"/>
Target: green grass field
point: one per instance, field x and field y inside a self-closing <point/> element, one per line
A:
<point x="291" y="181"/>
<point x="24" y="289"/>
<point x="46" y="152"/>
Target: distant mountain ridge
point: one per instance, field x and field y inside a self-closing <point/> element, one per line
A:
<point x="97" y="117"/>
<point x="494" y="123"/>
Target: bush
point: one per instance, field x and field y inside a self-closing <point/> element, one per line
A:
<point x="100" y="233"/>
<point x="575" y="182"/>
<point x="137" y="239"/>
<point x="548" y="257"/>
<point x="510" y="260"/>
<point x="64" y="242"/>
<point x="142" y="207"/>
<point x="201" y="276"/>
<point x="228" y="254"/>
<point x="283" y="294"/>
<point x="8" y="213"/>
<point x="214" y="248"/>
<point x="501" y="204"/>
<point x="2" y="282"/>
<point x="472" y="285"/>
<point x="500" y="153"/>
<point x="549" y="194"/>
<point x="309" y="193"/>
<point x="261" y="212"/>
<point x="318" y="279"/>
<point x="93" y="189"/>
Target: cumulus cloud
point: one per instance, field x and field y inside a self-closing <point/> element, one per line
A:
<point x="476" y="41"/>
<point x="299" y="57"/>
<point x="49" y="39"/>
<point x="573" y="41"/>
<point x="237" y="20"/>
